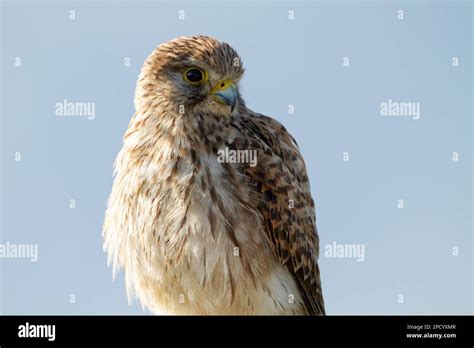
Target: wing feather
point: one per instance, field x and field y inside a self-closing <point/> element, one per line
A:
<point x="281" y="182"/>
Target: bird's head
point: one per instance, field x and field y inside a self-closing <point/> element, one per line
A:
<point x="188" y="75"/>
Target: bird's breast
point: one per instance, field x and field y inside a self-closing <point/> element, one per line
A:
<point x="198" y="244"/>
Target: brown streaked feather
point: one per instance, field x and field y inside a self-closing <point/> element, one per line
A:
<point x="281" y="180"/>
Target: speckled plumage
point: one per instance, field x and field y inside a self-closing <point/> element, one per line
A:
<point x="198" y="236"/>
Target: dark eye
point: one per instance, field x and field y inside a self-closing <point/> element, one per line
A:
<point x="195" y="76"/>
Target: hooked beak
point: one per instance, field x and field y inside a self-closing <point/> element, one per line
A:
<point x="225" y="93"/>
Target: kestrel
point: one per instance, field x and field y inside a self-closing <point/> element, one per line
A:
<point x="211" y="210"/>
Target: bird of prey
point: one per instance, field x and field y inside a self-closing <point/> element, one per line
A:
<point x="210" y="211"/>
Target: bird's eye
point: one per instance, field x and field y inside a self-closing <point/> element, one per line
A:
<point x="195" y="76"/>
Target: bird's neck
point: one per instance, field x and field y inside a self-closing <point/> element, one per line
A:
<point x="172" y="135"/>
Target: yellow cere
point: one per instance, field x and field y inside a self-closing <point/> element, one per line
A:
<point x="221" y="85"/>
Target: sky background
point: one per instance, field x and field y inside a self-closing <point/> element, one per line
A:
<point x="408" y="251"/>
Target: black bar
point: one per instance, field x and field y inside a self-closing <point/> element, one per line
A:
<point x="139" y="330"/>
